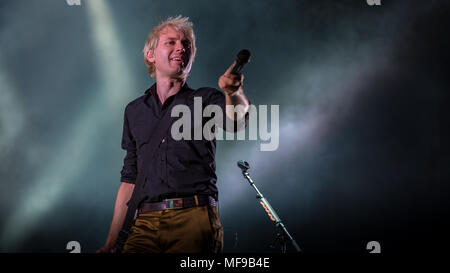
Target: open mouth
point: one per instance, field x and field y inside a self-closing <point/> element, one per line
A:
<point x="177" y="60"/>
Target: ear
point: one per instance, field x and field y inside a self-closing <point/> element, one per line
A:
<point x="150" y="55"/>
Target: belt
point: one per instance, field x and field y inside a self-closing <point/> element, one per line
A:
<point x="178" y="203"/>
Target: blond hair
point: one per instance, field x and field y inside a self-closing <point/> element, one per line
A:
<point x="180" y="24"/>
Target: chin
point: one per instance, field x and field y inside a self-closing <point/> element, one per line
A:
<point x="181" y="74"/>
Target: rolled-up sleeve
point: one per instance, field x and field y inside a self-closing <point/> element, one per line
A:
<point x="129" y="169"/>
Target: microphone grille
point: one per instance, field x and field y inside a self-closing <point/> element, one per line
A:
<point x="244" y="56"/>
<point x="243" y="165"/>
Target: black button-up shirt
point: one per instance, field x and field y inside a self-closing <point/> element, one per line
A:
<point x="179" y="168"/>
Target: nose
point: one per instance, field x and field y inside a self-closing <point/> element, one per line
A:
<point x="180" y="47"/>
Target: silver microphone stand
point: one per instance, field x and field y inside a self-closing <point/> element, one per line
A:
<point x="244" y="166"/>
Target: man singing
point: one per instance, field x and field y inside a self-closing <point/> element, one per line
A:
<point x="177" y="210"/>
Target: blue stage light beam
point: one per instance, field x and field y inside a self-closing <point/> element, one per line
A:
<point x="71" y="158"/>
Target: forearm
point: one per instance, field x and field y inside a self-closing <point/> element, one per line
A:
<point x="237" y="104"/>
<point x="120" y="211"/>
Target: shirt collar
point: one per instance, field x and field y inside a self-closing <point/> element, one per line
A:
<point x="152" y="91"/>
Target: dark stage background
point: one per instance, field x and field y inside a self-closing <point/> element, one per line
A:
<point x="363" y="93"/>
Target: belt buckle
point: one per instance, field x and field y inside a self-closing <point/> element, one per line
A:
<point x="175" y="203"/>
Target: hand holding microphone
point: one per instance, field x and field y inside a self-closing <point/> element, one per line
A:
<point x="232" y="80"/>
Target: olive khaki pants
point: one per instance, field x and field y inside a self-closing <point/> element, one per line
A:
<point x="190" y="230"/>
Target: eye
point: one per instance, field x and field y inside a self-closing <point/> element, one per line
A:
<point x="170" y="42"/>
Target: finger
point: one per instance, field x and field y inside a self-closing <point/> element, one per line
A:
<point x="237" y="84"/>
<point x="231" y="81"/>
<point x="233" y="77"/>
<point x="228" y="72"/>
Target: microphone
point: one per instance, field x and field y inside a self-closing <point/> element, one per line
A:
<point x="243" y="165"/>
<point x="242" y="58"/>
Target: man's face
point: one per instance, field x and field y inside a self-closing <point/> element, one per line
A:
<point x="172" y="53"/>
